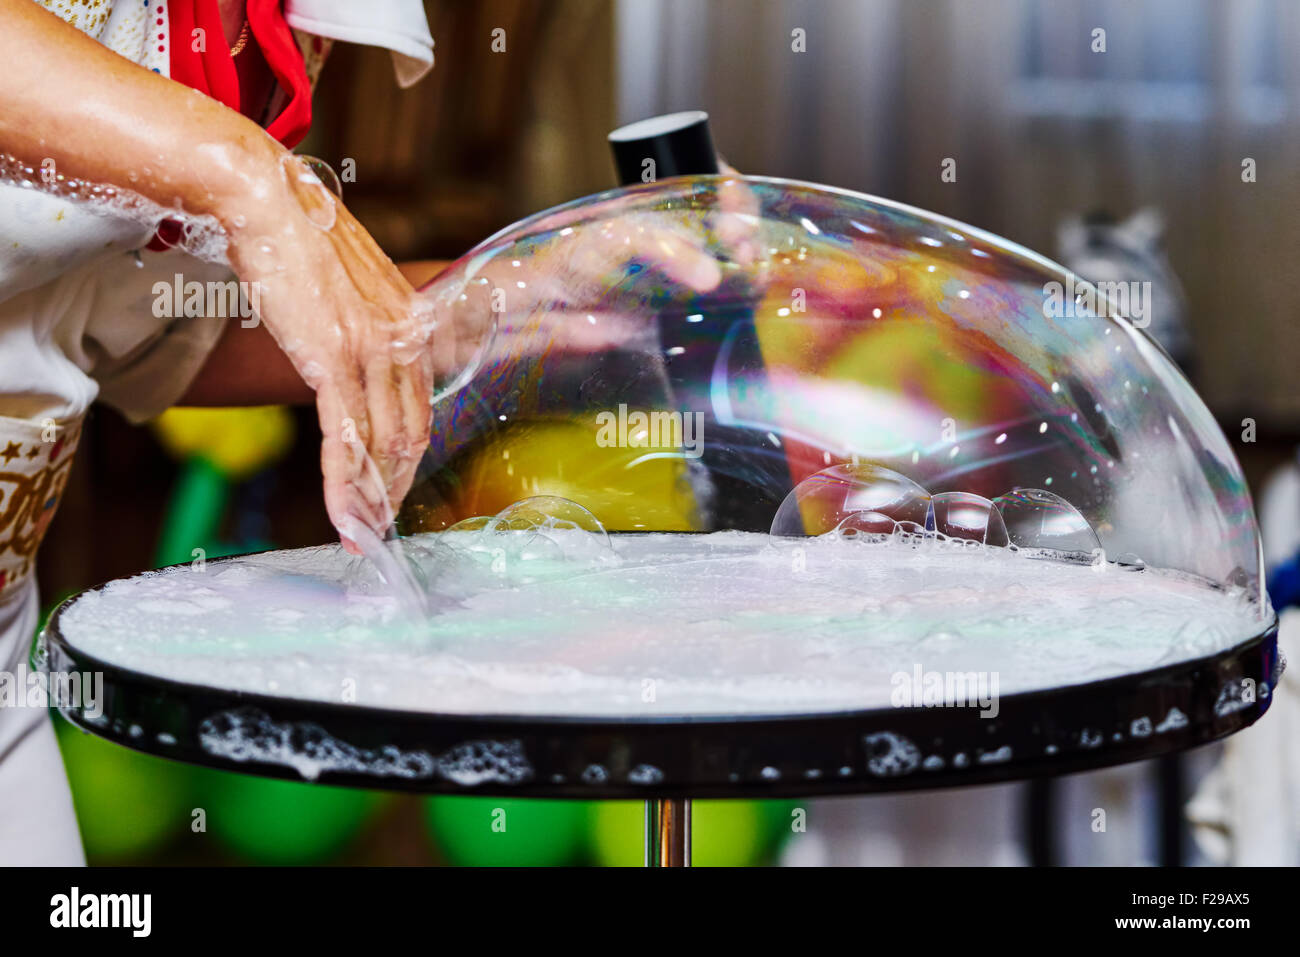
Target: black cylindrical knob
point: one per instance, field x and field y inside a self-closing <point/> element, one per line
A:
<point x="675" y="144"/>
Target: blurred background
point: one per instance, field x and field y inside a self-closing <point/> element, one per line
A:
<point x="1171" y="155"/>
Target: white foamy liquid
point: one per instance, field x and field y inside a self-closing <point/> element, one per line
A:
<point x="724" y="623"/>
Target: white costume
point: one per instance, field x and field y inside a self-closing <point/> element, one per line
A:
<point x="76" y="324"/>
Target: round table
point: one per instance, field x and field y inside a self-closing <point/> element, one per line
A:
<point x="668" y="760"/>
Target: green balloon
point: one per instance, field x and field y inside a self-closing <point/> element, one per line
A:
<point x="507" y="832"/>
<point x="778" y="821"/>
<point x="724" y="833"/>
<point x="194" y="513"/>
<point x="270" y="821"/>
<point x="127" y="803"/>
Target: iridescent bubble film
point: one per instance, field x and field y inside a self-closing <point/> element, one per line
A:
<point x="778" y="357"/>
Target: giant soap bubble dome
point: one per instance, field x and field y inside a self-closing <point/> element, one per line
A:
<point x="860" y="366"/>
<point x="728" y="445"/>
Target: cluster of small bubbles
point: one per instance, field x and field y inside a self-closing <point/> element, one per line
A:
<point x="200" y="236"/>
<point x="867" y="526"/>
<point x="870" y="504"/>
<point x="251" y="735"/>
<point x="477" y="762"/>
<point x="645" y="774"/>
<point x="910" y="534"/>
<point x="890" y="754"/>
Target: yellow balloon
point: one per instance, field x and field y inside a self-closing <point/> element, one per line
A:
<point x="240" y="442"/>
<point x="625" y="488"/>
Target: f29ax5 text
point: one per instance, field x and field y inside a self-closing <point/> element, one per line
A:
<point x="1184" y="898"/>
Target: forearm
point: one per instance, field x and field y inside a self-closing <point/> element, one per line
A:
<point x="349" y="322"/>
<point x="103" y="119"/>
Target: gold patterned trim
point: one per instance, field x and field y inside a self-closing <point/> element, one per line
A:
<point x="35" y="458"/>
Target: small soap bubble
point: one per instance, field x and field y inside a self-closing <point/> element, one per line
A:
<point x="866" y="527"/>
<point x="546" y="513"/>
<point x="1240" y="578"/>
<point x="475" y="523"/>
<point x="821" y="502"/>
<point x="910" y="534"/>
<point x="1130" y="562"/>
<point x="263" y="255"/>
<point x="546" y="528"/>
<point x="314" y="193"/>
<point x="532" y="547"/>
<point x="1043" y="525"/>
<point x="1247" y="586"/>
<point x="324" y="172"/>
<point x="967" y="517"/>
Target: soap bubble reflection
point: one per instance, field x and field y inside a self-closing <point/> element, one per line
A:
<point x="970" y="517"/>
<point x="822" y="502"/>
<point x="539" y="530"/>
<point x="873" y="505"/>
<point x="1046" y="525"/>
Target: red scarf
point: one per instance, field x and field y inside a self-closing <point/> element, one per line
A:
<point x="212" y="71"/>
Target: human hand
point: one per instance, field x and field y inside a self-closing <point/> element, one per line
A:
<point x="567" y="287"/>
<point x="354" y="329"/>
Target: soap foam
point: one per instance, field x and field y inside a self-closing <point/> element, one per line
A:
<point x="199" y="235"/>
<point x="669" y="624"/>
